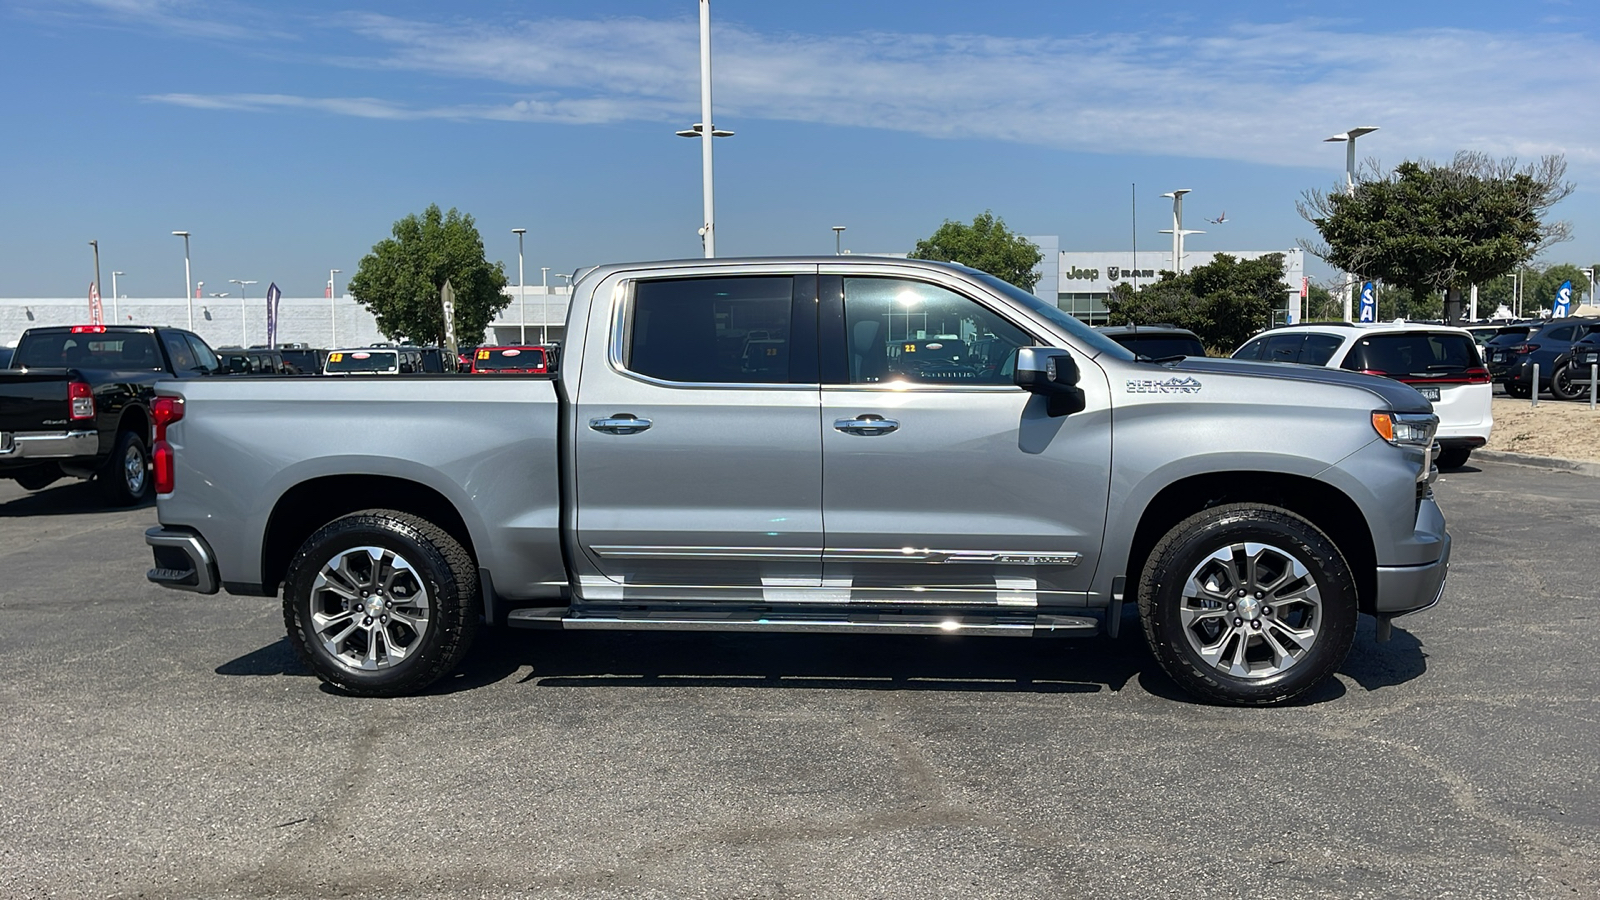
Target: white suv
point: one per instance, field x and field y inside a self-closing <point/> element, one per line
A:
<point x="1441" y="362"/>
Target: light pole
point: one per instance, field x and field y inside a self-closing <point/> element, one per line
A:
<point x="115" y="315"/>
<point x="188" y="281"/>
<point x="522" y="288"/>
<point x="1177" y="230"/>
<point x="1590" y="296"/>
<point x="1349" y="137"/>
<point x="703" y="129"/>
<point x="333" y="316"/>
<point x="544" y="305"/>
<point x="96" y="245"/>
<point x="838" y="232"/>
<point x="244" y="337"/>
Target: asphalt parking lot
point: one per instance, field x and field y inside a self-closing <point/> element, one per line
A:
<point x="164" y="745"/>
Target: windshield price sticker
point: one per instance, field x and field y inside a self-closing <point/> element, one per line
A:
<point x="483" y="354"/>
<point x="335" y="357"/>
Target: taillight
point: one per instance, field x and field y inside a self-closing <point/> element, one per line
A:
<point x="1524" y="348"/>
<point x="88" y="329"/>
<point x="82" y="398"/>
<point x="1473" y="375"/>
<point x="165" y="410"/>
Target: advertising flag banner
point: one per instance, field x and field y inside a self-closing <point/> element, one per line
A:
<point x="1369" y="304"/>
<point x="1563" y="307"/>
<point x="273" y="296"/>
<point x="447" y="297"/>
<point x="96" y="309"/>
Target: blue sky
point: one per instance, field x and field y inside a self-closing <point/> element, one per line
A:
<point x="288" y="137"/>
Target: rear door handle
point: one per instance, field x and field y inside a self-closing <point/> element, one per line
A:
<point x="866" y="425"/>
<point x="621" y="423"/>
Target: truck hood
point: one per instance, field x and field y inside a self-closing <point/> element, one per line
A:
<point x="1399" y="397"/>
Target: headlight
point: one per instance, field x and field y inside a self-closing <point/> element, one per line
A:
<point x="1406" y="429"/>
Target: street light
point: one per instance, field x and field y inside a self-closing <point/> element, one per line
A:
<point x="188" y="282"/>
<point x="1349" y="139"/>
<point x="522" y="289"/>
<point x="244" y="337"/>
<point x="1590" y="273"/>
<point x="115" y="315"/>
<point x="1177" y="230"/>
<point x="838" y="232"/>
<point x="708" y="231"/>
<point x="333" y="318"/>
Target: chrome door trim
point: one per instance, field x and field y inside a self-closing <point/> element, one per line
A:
<point x="769" y="554"/>
<point x="992" y="557"/>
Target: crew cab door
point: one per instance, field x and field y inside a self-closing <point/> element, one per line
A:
<point x="943" y="482"/>
<point x="698" y="461"/>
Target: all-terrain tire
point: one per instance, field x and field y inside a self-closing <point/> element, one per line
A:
<point x="1219" y="635"/>
<point x="381" y="603"/>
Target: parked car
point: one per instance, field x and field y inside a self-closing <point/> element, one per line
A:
<point x="376" y="360"/>
<point x="1550" y="348"/>
<point x="526" y="360"/>
<point x="252" y="361"/>
<point x="5" y="357"/>
<point x="1505" y="337"/>
<point x="1155" y="341"/>
<point x="77" y="403"/>
<point x="1251" y="510"/>
<point x="304" y="361"/>
<point x="1441" y="362"/>
<point x="1585" y="356"/>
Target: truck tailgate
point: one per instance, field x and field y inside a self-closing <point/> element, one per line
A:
<point x="33" y="400"/>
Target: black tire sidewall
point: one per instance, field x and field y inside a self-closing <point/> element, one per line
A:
<point x="114" y="476"/>
<point x="1453" y="457"/>
<point x="1161" y="596"/>
<point x="447" y="608"/>
<point x="1565" y="373"/>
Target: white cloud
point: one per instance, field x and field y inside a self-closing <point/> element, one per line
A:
<point x="1259" y="93"/>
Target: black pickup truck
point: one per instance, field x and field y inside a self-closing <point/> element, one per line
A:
<point x="76" y="402"/>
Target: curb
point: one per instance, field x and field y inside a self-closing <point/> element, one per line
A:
<point x="1575" y="466"/>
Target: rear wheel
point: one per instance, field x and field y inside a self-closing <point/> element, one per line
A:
<point x="1519" y="391"/>
<point x="125" y="478"/>
<point x="1453" y="457"/>
<point x="381" y="603"/>
<point x="1569" y="384"/>
<point x="1247" y="604"/>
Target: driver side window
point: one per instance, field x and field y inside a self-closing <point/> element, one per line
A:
<point x="907" y="331"/>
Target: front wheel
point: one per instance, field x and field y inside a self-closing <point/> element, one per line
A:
<point x="1247" y="604"/>
<point x="1568" y="384"/>
<point x="1453" y="457"/>
<point x="381" y="603"/>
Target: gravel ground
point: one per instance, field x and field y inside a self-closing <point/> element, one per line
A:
<point x="1553" y="428"/>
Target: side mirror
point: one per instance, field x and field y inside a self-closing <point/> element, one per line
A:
<point x="1052" y="373"/>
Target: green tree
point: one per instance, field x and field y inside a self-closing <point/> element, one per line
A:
<point x="986" y="245"/>
<point x="1438" y="228"/>
<point x="1539" y="290"/>
<point x="1322" y="305"/>
<point x="1223" y="302"/>
<point x="399" y="281"/>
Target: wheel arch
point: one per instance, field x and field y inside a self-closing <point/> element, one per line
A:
<point x="1325" y="506"/>
<point x="311" y="504"/>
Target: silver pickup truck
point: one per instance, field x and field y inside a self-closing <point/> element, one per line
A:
<point x="812" y="445"/>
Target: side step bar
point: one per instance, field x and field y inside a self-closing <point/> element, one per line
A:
<point x="1018" y="626"/>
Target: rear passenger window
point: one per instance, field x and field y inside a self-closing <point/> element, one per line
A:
<point x="712" y="330"/>
<point x="1251" y="350"/>
<point x="179" y="350"/>
<point x="1319" y="348"/>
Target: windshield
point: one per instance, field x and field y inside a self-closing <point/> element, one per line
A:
<point x="1096" y="341"/>
<point x="491" y="359"/>
<point x="63" y="349"/>
<point x="1161" y="346"/>
<point x="1507" y="336"/>
<point x="362" y="361"/>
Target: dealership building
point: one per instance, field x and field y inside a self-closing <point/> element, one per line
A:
<point x="1080" y="281"/>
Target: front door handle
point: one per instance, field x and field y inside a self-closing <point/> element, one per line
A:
<point x="866" y="425"/>
<point x="621" y="423"/>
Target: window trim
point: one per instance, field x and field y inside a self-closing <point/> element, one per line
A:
<point x="622" y="331"/>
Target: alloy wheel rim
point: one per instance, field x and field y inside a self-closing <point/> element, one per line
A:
<point x="369" y="608"/>
<point x="133" y="471"/>
<point x="1251" y="610"/>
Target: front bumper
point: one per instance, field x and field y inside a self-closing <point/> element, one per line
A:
<point x="184" y="560"/>
<point x="49" y="445"/>
<point x="1409" y="589"/>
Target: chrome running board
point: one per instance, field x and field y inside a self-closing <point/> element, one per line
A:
<point x="642" y="620"/>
